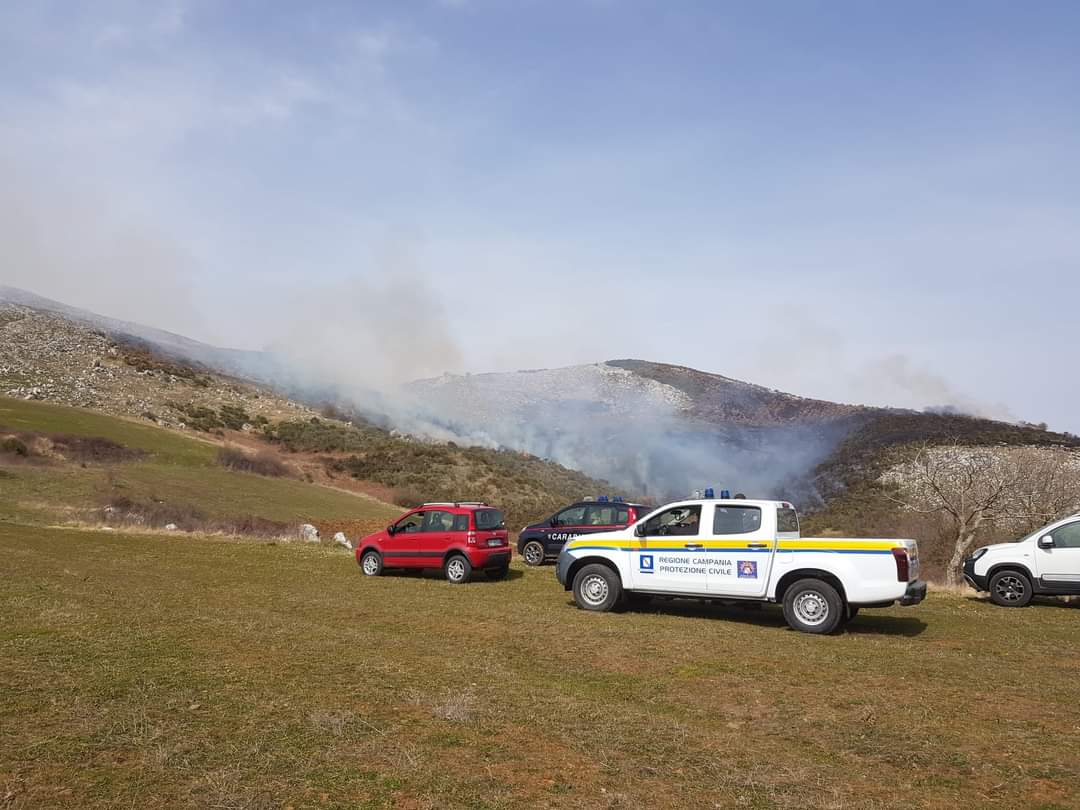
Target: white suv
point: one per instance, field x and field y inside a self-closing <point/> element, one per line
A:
<point x="1045" y="563"/>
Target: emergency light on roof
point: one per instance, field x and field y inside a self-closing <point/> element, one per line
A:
<point x="725" y="493"/>
<point x="709" y="493"/>
<point x="617" y="499"/>
<point x="602" y="499"/>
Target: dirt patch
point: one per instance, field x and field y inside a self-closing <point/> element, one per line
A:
<point x="264" y="462"/>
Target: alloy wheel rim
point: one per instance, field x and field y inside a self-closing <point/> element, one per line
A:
<point x="455" y="570"/>
<point x="1011" y="589"/>
<point x="594" y="589"/>
<point x="371" y="564"/>
<point x="534" y="555"/>
<point x="811" y="608"/>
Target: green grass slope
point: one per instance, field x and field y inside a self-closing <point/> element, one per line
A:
<point x="174" y="672"/>
<point x="178" y="471"/>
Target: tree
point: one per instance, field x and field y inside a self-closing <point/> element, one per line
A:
<point x="977" y="486"/>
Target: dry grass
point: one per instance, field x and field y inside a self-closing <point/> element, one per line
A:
<point x="169" y="672"/>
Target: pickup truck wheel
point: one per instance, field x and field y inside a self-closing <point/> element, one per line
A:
<point x="1010" y="589"/>
<point x="597" y="587"/>
<point x="813" y="606"/>
<point x="371" y="563"/>
<point x="533" y="553"/>
<point x="458" y="569"/>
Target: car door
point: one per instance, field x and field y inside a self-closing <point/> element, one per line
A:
<point x="1059" y="565"/>
<point x="670" y="556"/>
<point x="436" y="536"/>
<point x="402" y="548"/>
<point x="740" y="551"/>
<point x="566" y="525"/>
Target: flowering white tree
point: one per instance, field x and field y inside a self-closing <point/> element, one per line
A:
<point x="975" y="486"/>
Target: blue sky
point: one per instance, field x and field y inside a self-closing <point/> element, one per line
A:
<point x="873" y="202"/>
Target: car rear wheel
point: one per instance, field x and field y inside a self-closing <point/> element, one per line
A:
<point x="1010" y="589"/>
<point x="533" y="553"/>
<point x="371" y="563"/>
<point x="813" y="606"/>
<point x="458" y="569"/>
<point x="597" y="587"/>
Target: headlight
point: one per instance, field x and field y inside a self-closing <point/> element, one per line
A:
<point x="978" y="553"/>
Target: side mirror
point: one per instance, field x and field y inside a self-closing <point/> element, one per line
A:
<point x="390" y="530"/>
<point x="639" y="530"/>
<point x="553" y="522"/>
<point x="1046" y="541"/>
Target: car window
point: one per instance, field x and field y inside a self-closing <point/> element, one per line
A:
<point x="736" y="519"/>
<point x="439" y="521"/>
<point x="410" y="523"/>
<point x="574" y="516"/>
<point x="461" y="523"/>
<point x="683" y="521"/>
<point x="622" y="516"/>
<point x="787" y="520"/>
<point x="1067" y="536"/>
<point x="598" y="515"/>
<point x="489" y="519"/>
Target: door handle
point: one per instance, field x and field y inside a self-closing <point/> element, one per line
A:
<point x="694" y="546"/>
<point x="757" y="545"/>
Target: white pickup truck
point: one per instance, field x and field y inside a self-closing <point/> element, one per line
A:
<point x="741" y="550"/>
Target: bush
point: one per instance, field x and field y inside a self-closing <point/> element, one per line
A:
<point x="93" y="449"/>
<point x="262" y="463"/>
<point x="14" y="446"/>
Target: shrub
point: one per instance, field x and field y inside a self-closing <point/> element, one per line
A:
<point x="14" y="446"/>
<point x="262" y="463"/>
<point x="93" y="449"/>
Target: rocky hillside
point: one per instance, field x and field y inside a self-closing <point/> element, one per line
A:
<point x="48" y="356"/>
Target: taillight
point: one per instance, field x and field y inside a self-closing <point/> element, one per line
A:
<point x="470" y="538"/>
<point x="903" y="564"/>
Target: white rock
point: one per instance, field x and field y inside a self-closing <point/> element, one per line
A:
<point x="171" y="527"/>
<point x="309" y="534"/>
<point x="341" y="540"/>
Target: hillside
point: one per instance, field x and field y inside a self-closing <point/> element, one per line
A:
<point x="45" y="356"/>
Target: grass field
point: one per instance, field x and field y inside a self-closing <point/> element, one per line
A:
<point x="178" y="469"/>
<point x="164" y="671"/>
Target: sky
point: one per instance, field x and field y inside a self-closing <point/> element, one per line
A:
<point x="860" y="201"/>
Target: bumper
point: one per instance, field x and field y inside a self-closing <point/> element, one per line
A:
<point x="977" y="582"/>
<point x="915" y="593"/>
<point x="562" y="565"/>
<point x="495" y="557"/>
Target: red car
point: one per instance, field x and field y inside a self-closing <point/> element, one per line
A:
<point x="459" y="538"/>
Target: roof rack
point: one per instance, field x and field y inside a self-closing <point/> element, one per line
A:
<point x="454" y="503"/>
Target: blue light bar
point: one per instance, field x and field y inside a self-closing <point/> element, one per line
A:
<point x="602" y="499"/>
<point x="709" y="493"/>
<point x="618" y="499"/>
<point x="725" y="493"/>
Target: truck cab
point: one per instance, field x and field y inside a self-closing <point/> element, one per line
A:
<point x="1044" y="563"/>
<point x="737" y="549"/>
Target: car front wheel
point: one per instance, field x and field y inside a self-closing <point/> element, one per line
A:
<point x="371" y="563"/>
<point x="1010" y="589"/>
<point x="597" y="587"/>
<point x="533" y="553"/>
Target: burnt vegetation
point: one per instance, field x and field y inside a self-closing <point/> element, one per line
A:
<point x="122" y="511"/>
<point x="34" y="445"/>
<point x="264" y="462"/>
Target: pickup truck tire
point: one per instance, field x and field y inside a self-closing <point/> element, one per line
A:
<point x="1010" y="588"/>
<point x="533" y="553"/>
<point x="597" y="587"/>
<point x="813" y="606"/>
<point x="371" y="563"/>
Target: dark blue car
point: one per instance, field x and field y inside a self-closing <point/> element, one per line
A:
<point x="544" y="540"/>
